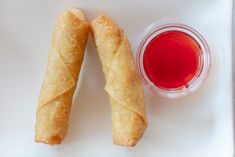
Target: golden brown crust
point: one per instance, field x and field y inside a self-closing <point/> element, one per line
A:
<point x="63" y="68"/>
<point x="53" y="140"/>
<point x="122" y="82"/>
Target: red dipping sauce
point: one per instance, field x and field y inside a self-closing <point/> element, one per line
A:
<point x="171" y="59"/>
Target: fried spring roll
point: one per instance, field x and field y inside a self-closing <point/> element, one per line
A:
<point x="63" y="67"/>
<point x="122" y="82"/>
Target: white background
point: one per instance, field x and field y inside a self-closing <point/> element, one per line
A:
<point x="199" y="125"/>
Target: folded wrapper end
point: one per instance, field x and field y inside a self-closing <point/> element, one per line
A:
<point x="78" y="13"/>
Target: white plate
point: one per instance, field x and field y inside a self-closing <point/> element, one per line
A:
<point x="199" y="125"/>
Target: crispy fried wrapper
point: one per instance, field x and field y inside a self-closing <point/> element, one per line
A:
<point x="64" y="63"/>
<point x="123" y="83"/>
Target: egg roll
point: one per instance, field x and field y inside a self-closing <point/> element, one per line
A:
<point x="123" y="83"/>
<point x="63" y="67"/>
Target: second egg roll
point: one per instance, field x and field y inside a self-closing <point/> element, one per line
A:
<point x="64" y="63"/>
<point x="123" y="82"/>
